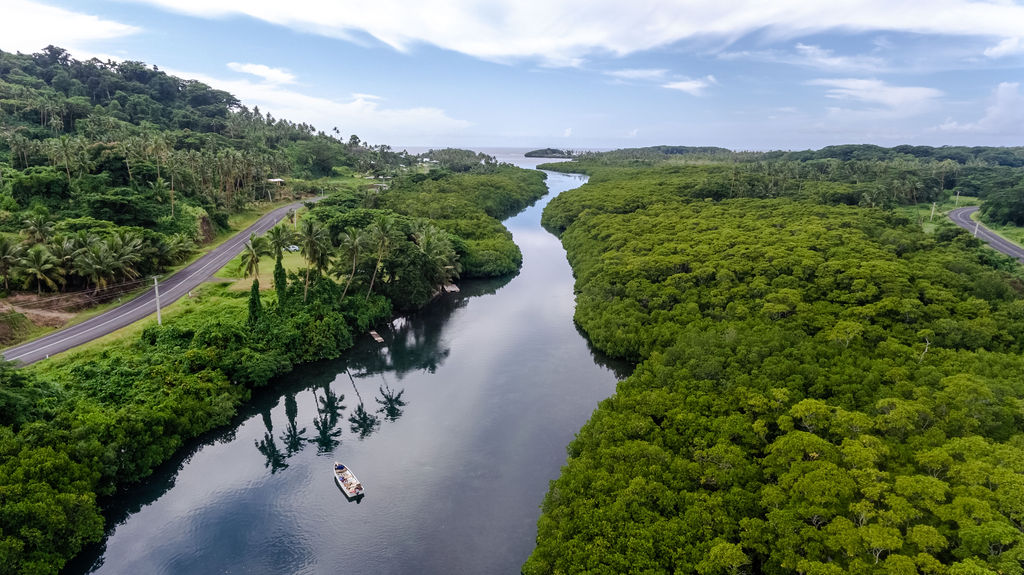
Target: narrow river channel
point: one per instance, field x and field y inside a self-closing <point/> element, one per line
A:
<point x="455" y="425"/>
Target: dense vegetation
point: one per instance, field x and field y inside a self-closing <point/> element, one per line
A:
<point x="77" y="428"/>
<point x="551" y="153"/>
<point x="821" y="388"/>
<point x="81" y="426"/>
<point x="110" y="171"/>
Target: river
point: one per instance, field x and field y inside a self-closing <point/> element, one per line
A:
<point x="455" y="425"/>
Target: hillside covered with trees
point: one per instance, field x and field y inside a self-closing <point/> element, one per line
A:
<point x="821" y="388"/>
<point x="113" y="171"/>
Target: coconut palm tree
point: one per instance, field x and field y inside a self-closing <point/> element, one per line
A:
<point x="280" y="237"/>
<point x="38" y="228"/>
<point x="351" y="241"/>
<point x="39" y="266"/>
<point x="127" y="250"/>
<point x="315" y="244"/>
<point x="97" y="265"/>
<point x="10" y="255"/>
<point x="174" y="249"/>
<point x="64" y="249"/>
<point x="442" y="260"/>
<point x="254" y="249"/>
<point x="380" y="231"/>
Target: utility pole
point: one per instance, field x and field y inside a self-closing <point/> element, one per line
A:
<point x="156" y="289"/>
<point x="976" y="225"/>
<point x="957" y="199"/>
<point x="932" y="217"/>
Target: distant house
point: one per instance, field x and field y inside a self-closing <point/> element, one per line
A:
<point x="277" y="181"/>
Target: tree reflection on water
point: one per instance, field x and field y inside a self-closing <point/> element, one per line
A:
<point x="293" y="438"/>
<point x="391" y="403"/>
<point x="329" y="408"/>
<point x="414" y="343"/>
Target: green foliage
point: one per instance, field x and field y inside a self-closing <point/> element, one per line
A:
<point x="255" y="304"/>
<point x="126" y="144"/>
<point x="820" y="388"/>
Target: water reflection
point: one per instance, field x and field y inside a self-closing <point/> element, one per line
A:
<point x="391" y="403"/>
<point x="275" y="458"/>
<point x="294" y="439"/>
<point x="512" y="368"/>
<point x="328" y="409"/>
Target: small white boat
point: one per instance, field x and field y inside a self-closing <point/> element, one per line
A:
<point x="347" y="481"/>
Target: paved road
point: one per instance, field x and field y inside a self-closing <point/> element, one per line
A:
<point x="144" y="305"/>
<point x="962" y="218"/>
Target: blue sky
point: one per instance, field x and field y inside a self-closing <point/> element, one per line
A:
<point x="743" y="74"/>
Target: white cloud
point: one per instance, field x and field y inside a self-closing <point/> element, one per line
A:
<point x="638" y="74"/>
<point x="29" y="27"/>
<point x="562" y="32"/>
<point x="1005" y="115"/>
<point x="811" y="56"/>
<point x="871" y="91"/>
<point x="818" y="57"/>
<point x="270" y="75"/>
<point x="693" y="87"/>
<point x="362" y="114"/>
<point x="1008" y="47"/>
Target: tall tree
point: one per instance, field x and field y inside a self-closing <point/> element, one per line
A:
<point x="280" y="237"/>
<point x="39" y="266"/>
<point x="38" y="228"/>
<point x="315" y="243"/>
<point x="380" y="230"/>
<point x="255" y="304"/>
<point x="254" y="249"/>
<point x="351" y="242"/>
<point x="10" y="255"/>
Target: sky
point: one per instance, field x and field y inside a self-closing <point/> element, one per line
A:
<point x="579" y="74"/>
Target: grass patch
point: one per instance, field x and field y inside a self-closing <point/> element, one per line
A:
<point x="205" y="299"/>
<point x="290" y="260"/>
<point x="1008" y="232"/>
<point x="922" y="213"/>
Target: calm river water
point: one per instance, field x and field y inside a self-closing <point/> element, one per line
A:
<point x="455" y="425"/>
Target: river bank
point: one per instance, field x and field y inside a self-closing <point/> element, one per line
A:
<point x="455" y="425"/>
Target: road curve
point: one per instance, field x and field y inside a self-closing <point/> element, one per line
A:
<point x="144" y="305"/>
<point x="962" y="218"/>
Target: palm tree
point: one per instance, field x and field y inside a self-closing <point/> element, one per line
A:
<point x="434" y="243"/>
<point x="280" y="237"/>
<point x="351" y="242"/>
<point x="38" y="228"/>
<point x="174" y="249"/>
<point x="97" y="264"/>
<point x="380" y="231"/>
<point x="127" y="250"/>
<point x="64" y="249"/>
<point x="315" y="243"/>
<point x="10" y="255"/>
<point x="40" y="266"/>
<point x="254" y="249"/>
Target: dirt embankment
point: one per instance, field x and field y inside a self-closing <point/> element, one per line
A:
<point x="20" y="313"/>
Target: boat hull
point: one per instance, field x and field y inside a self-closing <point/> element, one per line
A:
<point x="347" y="481"/>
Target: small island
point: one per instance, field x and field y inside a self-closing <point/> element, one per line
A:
<point x="551" y="153"/>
